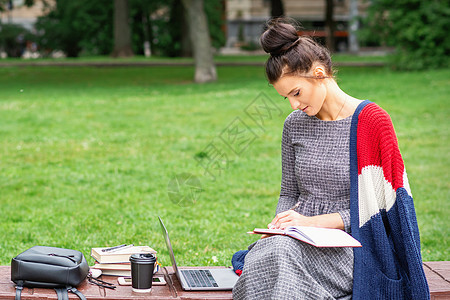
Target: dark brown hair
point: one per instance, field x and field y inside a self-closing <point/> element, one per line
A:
<point x="289" y="53"/>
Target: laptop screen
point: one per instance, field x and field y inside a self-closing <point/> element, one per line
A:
<point x="169" y="245"/>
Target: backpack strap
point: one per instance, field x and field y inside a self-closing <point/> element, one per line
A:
<point x="76" y="292"/>
<point x="19" y="288"/>
<point x="62" y="293"/>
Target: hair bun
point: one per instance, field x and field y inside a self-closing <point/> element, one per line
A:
<point x="289" y="53"/>
<point x="279" y="37"/>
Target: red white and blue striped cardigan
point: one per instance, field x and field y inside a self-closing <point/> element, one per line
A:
<point x="382" y="215"/>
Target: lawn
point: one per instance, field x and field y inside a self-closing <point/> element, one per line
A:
<point x="91" y="156"/>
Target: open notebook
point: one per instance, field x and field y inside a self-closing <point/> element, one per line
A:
<point x="319" y="237"/>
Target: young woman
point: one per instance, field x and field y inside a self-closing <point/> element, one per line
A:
<point x="341" y="168"/>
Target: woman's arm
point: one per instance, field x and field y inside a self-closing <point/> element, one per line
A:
<point x="289" y="191"/>
<point x="292" y="218"/>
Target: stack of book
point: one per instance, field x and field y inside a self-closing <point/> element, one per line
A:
<point x="115" y="261"/>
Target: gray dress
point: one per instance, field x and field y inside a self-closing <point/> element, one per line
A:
<point x="315" y="171"/>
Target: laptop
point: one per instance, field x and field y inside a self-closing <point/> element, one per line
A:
<point x="200" y="279"/>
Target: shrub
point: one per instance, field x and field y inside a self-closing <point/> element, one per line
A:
<point x="76" y="26"/>
<point x="13" y="39"/>
<point x="417" y="29"/>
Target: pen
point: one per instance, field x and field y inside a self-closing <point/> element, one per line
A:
<point x="113" y="248"/>
<point x="122" y="248"/>
<point x="292" y="208"/>
<point x="295" y="206"/>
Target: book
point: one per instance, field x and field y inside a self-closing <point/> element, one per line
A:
<point x="119" y="255"/>
<point x="118" y="269"/>
<point x="121" y="273"/>
<point x="319" y="237"/>
<point x="117" y="266"/>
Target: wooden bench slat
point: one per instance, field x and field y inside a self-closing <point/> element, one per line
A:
<point x="440" y="267"/>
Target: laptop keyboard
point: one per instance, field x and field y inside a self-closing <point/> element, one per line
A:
<point x="199" y="278"/>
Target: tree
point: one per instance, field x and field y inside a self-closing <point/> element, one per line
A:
<point x="122" y="30"/>
<point x="205" y="69"/>
<point x="417" y="29"/>
<point x="178" y="29"/>
<point x="276" y="8"/>
<point x="86" y="27"/>
<point x="76" y="26"/>
<point x="167" y="26"/>
<point x="330" y="25"/>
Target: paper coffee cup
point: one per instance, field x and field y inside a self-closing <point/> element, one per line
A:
<point x="142" y="266"/>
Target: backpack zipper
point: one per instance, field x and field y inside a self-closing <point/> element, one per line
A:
<point x="66" y="256"/>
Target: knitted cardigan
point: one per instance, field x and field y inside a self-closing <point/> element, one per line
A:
<point x="382" y="215"/>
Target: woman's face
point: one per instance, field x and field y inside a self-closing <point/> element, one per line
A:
<point x="303" y="93"/>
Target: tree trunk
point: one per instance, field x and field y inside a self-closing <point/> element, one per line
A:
<point x="353" y="38"/>
<point x="122" y="30"/>
<point x="205" y="70"/>
<point x="276" y="8"/>
<point x="179" y="29"/>
<point x="329" y="25"/>
<point x="186" y="45"/>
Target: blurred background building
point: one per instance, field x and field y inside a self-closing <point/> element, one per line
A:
<point x="21" y="14"/>
<point x="244" y="19"/>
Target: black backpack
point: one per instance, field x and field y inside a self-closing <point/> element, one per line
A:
<point x="49" y="267"/>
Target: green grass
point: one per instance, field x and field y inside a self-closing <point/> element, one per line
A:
<point x="87" y="154"/>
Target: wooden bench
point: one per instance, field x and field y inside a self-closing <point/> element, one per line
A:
<point x="438" y="275"/>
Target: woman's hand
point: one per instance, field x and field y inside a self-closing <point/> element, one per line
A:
<point x="288" y="218"/>
<point x="291" y="218"/>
